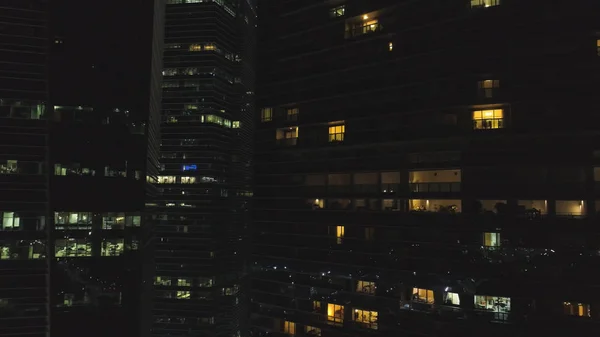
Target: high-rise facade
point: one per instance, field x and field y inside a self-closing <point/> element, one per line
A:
<point x="103" y="144"/>
<point x="427" y="168"/>
<point x="23" y="161"/>
<point x="78" y="100"/>
<point x="199" y="237"/>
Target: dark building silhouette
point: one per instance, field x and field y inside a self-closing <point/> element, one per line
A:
<point x="202" y="215"/>
<point x="103" y="142"/>
<point x="23" y="165"/>
<point x="427" y="168"/>
<point x="79" y="116"/>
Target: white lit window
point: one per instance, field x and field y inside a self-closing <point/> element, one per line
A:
<point x="451" y="298"/>
<point x="484" y="3"/>
<point x="10" y="221"/>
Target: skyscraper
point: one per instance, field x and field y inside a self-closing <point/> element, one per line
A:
<point x="23" y="168"/>
<point x="427" y="168"/>
<point x="103" y="144"/>
<point x="199" y="237"/>
<point x="78" y="100"/>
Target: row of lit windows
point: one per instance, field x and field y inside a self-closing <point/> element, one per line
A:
<point x="83" y="220"/>
<point x="213" y="119"/>
<point x="76" y="170"/>
<point x="74" y="247"/>
<point x="185" y="180"/>
<point x="202" y="282"/>
<point x="490" y="240"/>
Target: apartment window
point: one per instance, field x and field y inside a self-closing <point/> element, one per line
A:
<point x="336" y="12"/>
<point x="316" y="306"/>
<point x="336" y="133"/>
<point x="365" y="287"/>
<point x="335" y="313"/>
<point x="488" y="87"/>
<point x="292" y="114"/>
<point x="113" y="221"/>
<point x="266" y="114"/>
<point x="312" y="331"/>
<point x="451" y="299"/>
<point x="500" y="306"/>
<point x="491" y="239"/>
<point x="10" y="221"/>
<point x="484" y="3"/>
<point x="577" y="309"/>
<point x="339" y="234"/>
<point x="423" y="296"/>
<point x="367" y="26"/>
<point x="598" y="46"/>
<point x="366" y="318"/>
<point x="287" y="136"/>
<point x="488" y="119"/>
<point x="183" y="295"/>
<point x="289" y="328"/>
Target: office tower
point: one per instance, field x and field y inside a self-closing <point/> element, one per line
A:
<point x="427" y="168"/>
<point x="23" y="161"/>
<point x="206" y="147"/>
<point x="104" y="109"/>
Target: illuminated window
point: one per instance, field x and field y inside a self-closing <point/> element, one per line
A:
<point x="210" y="47"/>
<point x="451" y="299"/>
<point x="365" y="287"/>
<point x="112" y="247"/>
<point x="336" y="133"/>
<point x="195" y="47"/>
<point x="72" y="247"/>
<point x="423" y="296"/>
<point x="292" y="114"/>
<point x="488" y="119"/>
<point x="184" y="282"/>
<point x="287" y="136"/>
<point x="366" y="318"/>
<point x="183" y="295"/>
<point x="339" y="234"/>
<point x="337" y="11"/>
<point x="484" y="3"/>
<point x="487" y="87"/>
<point x="577" y="309"/>
<point x="188" y="180"/>
<point x="162" y="281"/>
<point x="335" y="313"/>
<point x="312" y="331"/>
<point x="289" y="328"/>
<point x="10" y="221"/>
<point x="362" y="28"/>
<point x="391" y="46"/>
<point x="266" y="114"/>
<point x="598" y="46"/>
<point x="500" y="306"/>
<point x="166" y="179"/>
<point x="235" y="124"/>
<point x="491" y="239"/>
<point x="317" y="305"/>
